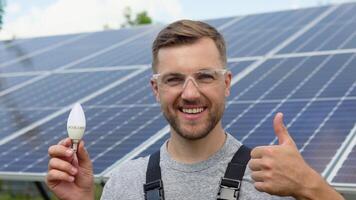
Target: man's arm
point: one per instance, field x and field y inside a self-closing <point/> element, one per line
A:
<point x="281" y="170"/>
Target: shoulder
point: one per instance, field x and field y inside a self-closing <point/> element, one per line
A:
<point x="131" y="169"/>
<point x="127" y="180"/>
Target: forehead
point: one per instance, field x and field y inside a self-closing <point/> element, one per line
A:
<point x="202" y="54"/>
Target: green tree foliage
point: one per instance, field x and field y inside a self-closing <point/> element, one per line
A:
<point x="2" y="4"/>
<point x="141" y="18"/>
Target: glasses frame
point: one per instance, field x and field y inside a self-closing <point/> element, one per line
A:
<point x="155" y="77"/>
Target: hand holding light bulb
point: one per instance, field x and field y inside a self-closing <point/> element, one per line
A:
<point x="70" y="170"/>
<point x="76" y="125"/>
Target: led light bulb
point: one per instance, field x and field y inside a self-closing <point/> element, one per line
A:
<point x="76" y="125"/>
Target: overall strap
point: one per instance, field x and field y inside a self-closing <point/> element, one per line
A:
<point x="154" y="186"/>
<point x="229" y="186"/>
<point x="231" y="182"/>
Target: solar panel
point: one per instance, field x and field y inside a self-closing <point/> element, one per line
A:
<point x="301" y="62"/>
<point x="334" y="32"/>
<point x="7" y="82"/>
<point x="245" y="38"/>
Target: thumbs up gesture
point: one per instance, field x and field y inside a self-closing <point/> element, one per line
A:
<point x="281" y="170"/>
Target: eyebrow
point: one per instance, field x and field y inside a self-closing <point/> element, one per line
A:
<point x="173" y="74"/>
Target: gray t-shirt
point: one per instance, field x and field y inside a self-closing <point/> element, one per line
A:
<point x="181" y="181"/>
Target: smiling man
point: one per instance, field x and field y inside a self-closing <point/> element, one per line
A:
<point x="191" y="83"/>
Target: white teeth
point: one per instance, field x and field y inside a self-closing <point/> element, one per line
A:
<point x="192" y="110"/>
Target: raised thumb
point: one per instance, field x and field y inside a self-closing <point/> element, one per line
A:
<point x="281" y="131"/>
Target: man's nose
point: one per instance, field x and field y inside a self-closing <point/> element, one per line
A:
<point x="190" y="90"/>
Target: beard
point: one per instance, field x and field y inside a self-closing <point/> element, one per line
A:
<point x="195" y="130"/>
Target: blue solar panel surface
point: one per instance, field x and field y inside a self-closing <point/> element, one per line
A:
<point x="316" y="91"/>
<point x="334" y="32"/>
<point x="245" y="39"/>
<point x="8" y="82"/>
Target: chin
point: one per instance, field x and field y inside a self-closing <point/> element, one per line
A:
<point x="193" y="133"/>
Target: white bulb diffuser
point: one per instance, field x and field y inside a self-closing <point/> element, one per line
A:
<point x="76" y="125"/>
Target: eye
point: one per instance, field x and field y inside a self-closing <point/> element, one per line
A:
<point x="173" y="80"/>
<point x="205" y="77"/>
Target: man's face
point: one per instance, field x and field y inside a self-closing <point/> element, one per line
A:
<point x="195" y="109"/>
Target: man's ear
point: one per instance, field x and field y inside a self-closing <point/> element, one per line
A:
<point x="228" y="78"/>
<point x="154" y="87"/>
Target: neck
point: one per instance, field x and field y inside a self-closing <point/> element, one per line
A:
<point x="193" y="151"/>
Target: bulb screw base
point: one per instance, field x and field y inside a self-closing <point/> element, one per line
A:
<point x="75" y="145"/>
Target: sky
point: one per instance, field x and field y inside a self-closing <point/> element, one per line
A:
<point x="35" y="18"/>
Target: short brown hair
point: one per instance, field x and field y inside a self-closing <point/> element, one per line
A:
<point x="186" y="32"/>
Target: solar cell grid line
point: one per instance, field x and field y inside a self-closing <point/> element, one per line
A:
<point x="306" y="79"/>
<point x="344" y="171"/>
<point x="122" y="54"/>
<point x="93" y="140"/>
<point x="309" y="90"/>
<point x="286" y="42"/>
<point x="257" y="77"/>
<point x="244" y="39"/>
<point x="7" y="82"/>
<point x="342" y="34"/>
<point x="136" y="52"/>
<point x="329" y="137"/>
<point x="306" y="106"/>
<point x="261" y="98"/>
<point x="35" y="138"/>
<point x="130" y="134"/>
<point x="326" y="119"/>
<point x="317" y="95"/>
<point x="229" y="23"/>
<point x="14" y="119"/>
<point x="316" y="36"/>
<point x="288" y="29"/>
<point x="92" y="149"/>
<point x="74" y="63"/>
<point x="22" y="57"/>
<point x="243" y="24"/>
<point x="341" y="8"/>
<point x="62" y="89"/>
<point x="149" y="124"/>
<point x="320" y="154"/>
<point x="123" y="93"/>
<point x="343" y="81"/>
<point x="219" y="22"/>
<point x="34" y="125"/>
<point x="272" y="28"/>
<point x="350" y="42"/>
<point x="60" y="56"/>
<point x="10" y="48"/>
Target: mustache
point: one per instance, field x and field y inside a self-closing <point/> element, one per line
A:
<point x="184" y="103"/>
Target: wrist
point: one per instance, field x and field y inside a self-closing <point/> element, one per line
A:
<point x="316" y="188"/>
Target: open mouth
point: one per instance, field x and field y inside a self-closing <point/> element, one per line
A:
<point x="192" y="110"/>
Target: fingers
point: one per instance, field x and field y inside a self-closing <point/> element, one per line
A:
<point x="55" y="175"/>
<point x="67" y="142"/>
<point x="60" y="150"/>
<point x="255" y="165"/>
<point x="259" y="152"/>
<point x="64" y="166"/>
